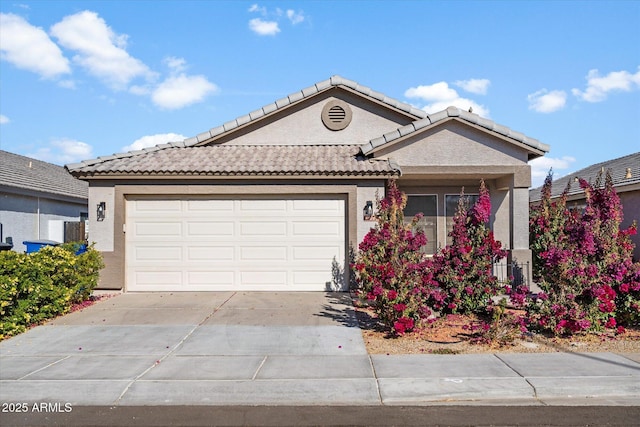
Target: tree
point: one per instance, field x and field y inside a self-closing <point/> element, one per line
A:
<point x="583" y="261"/>
<point x="463" y="270"/>
<point x="388" y="264"/>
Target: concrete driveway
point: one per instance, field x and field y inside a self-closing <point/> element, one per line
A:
<point x="276" y="348"/>
<point x="195" y="348"/>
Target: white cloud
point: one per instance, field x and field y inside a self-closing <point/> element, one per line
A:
<point x="439" y="96"/>
<point x="270" y="25"/>
<point x="176" y="65"/>
<point x="30" y="48"/>
<point x="4" y="119"/>
<point x="544" y="101"/>
<point x="295" y="17"/>
<point x="182" y="90"/>
<point x="255" y="8"/>
<point x="264" y="28"/>
<point x="100" y="50"/>
<point x="436" y="92"/>
<point x="63" y="151"/>
<point x="598" y="87"/>
<point x="153" y="140"/>
<point x="540" y="168"/>
<point x="477" y="86"/>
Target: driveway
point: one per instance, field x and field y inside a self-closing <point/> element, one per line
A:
<point x="275" y="348"/>
<point x="195" y="348"/>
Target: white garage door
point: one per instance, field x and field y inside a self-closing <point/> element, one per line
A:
<point x="229" y="244"/>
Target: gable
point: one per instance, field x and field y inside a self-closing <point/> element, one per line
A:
<point x="453" y="143"/>
<point x="302" y="123"/>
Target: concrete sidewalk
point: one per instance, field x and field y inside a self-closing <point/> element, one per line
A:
<point x="277" y="349"/>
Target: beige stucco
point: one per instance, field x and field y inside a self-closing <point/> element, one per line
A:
<point x="453" y="144"/>
<point x="102" y="232"/>
<point x="369" y="120"/>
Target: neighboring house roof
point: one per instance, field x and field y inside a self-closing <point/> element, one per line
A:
<point x="619" y="168"/>
<point x="421" y="121"/>
<point x="23" y="174"/>
<point x="454" y="112"/>
<point x="245" y="160"/>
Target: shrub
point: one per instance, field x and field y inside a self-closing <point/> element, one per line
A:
<point x="463" y="270"/>
<point x="388" y="265"/>
<point x="583" y="262"/>
<point x="41" y="285"/>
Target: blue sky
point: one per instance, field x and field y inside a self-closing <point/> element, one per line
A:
<point x="81" y="79"/>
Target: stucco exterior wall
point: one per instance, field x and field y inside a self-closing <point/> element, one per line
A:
<point x="368" y="121"/>
<point x="454" y="144"/>
<point x="367" y="191"/>
<point x="102" y="232"/>
<point x="35" y="218"/>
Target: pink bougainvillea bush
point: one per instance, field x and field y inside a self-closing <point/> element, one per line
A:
<point x="404" y="286"/>
<point x="583" y="263"/>
<point x="387" y="267"/>
<point x="462" y="272"/>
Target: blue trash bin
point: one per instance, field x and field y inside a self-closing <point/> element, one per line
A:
<point x="36" y="245"/>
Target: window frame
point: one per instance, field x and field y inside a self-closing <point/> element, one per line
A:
<point x="437" y="216"/>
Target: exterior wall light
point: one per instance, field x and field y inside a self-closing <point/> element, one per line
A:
<point x="367" y="212"/>
<point x="101" y="211"/>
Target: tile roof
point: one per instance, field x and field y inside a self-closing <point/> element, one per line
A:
<point x="617" y="167"/>
<point x="434" y="118"/>
<point x="244" y="160"/>
<point x="334" y="81"/>
<point x="28" y="174"/>
<point x="422" y="120"/>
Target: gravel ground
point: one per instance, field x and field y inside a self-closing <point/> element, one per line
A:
<point x="449" y="336"/>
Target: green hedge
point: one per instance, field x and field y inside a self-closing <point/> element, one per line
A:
<point x="39" y="286"/>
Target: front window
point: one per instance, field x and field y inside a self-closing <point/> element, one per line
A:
<point x="451" y="205"/>
<point x="428" y="206"/>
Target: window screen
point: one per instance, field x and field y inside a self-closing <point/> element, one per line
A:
<point x="428" y="206"/>
<point x="451" y="205"/>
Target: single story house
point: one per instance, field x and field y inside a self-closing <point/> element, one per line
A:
<point x="269" y="200"/>
<point x="625" y="174"/>
<point x="40" y="201"/>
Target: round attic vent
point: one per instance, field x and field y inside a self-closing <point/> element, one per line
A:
<point x="336" y="115"/>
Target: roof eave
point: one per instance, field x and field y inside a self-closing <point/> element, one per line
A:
<point x="247" y="175"/>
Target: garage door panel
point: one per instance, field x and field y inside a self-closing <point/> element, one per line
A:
<point x="318" y="207"/>
<point x="263" y="228"/>
<point x="210" y="206"/>
<point x="329" y="229"/>
<point x="263" y="253"/>
<point x="210" y="228"/>
<point x="256" y="278"/>
<point x="213" y="277"/>
<point x="157" y="229"/>
<point x="263" y="206"/>
<point x="157" y="206"/>
<point x="210" y="253"/>
<point x="225" y="244"/>
<point x="161" y="253"/>
<point x="147" y="278"/>
<point x="316" y="252"/>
